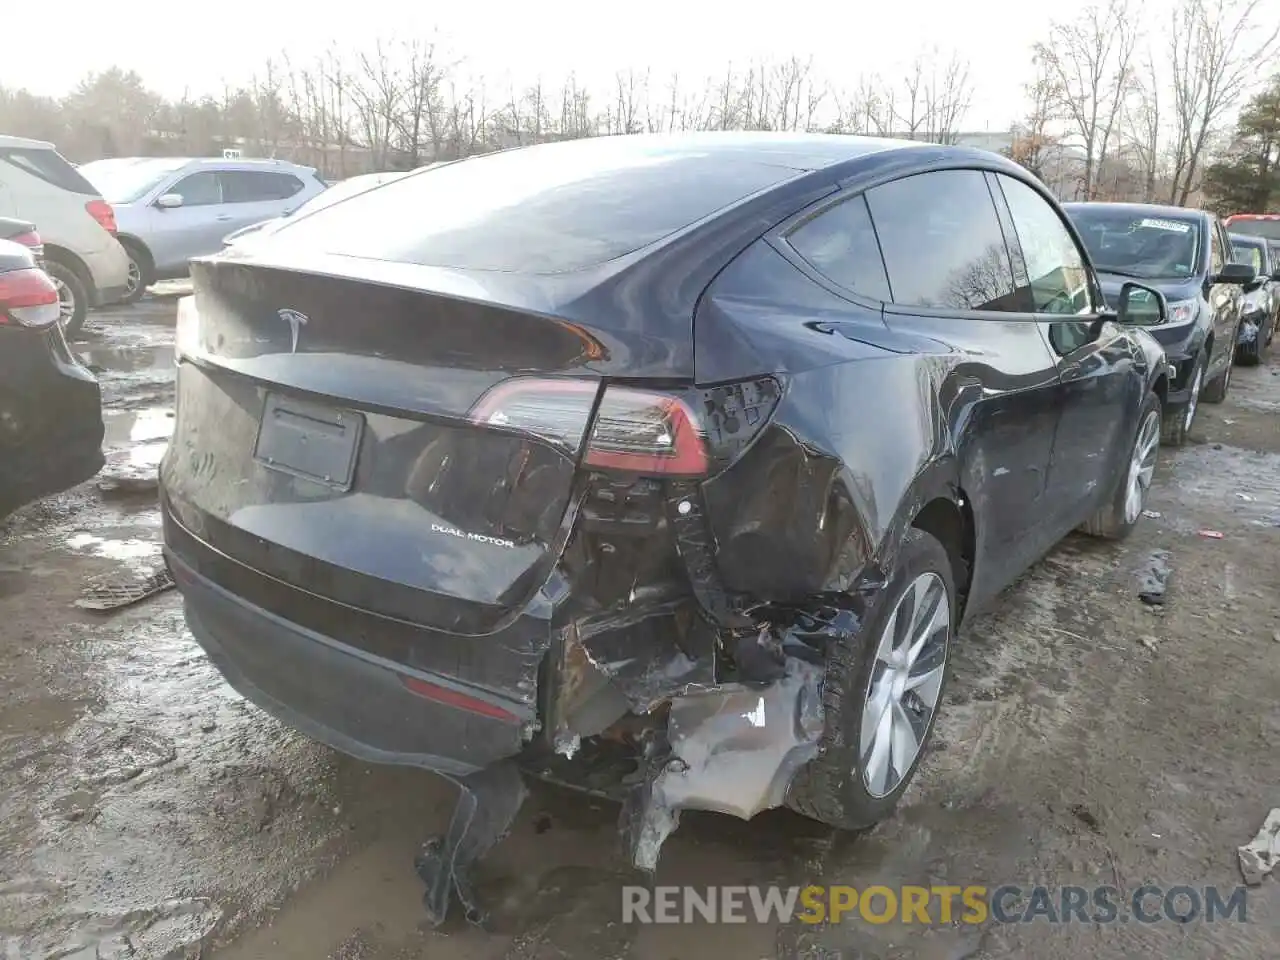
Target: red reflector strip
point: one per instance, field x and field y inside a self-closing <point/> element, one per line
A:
<point x="459" y="701"/>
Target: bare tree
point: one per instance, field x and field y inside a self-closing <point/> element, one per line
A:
<point x="630" y="89"/>
<point x="1216" y="48"/>
<point x="1089" y="61"/>
<point x="795" y="97"/>
<point x="380" y="96"/>
<point x="910" y="111"/>
<point x="1145" y="125"/>
<point x="466" y="123"/>
<point x="421" y="124"/>
<point x="947" y="98"/>
<point x="1032" y="140"/>
<point x="273" y="115"/>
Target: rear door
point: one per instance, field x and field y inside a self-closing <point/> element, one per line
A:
<point x="252" y="196"/>
<point x="186" y="231"/>
<point x="1100" y="389"/>
<point x="951" y="278"/>
<point x="1223" y="298"/>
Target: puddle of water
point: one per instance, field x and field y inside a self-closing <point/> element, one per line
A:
<point x="133" y="822"/>
<point x="125" y="358"/>
<point x="138" y="426"/>
<point x="126" y="550"/>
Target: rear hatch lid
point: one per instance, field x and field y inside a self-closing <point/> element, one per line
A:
<point x="385" y="402"/>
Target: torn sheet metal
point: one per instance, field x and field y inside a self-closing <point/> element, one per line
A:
<point x="650" y="657"/>
<point x="734" y="750"/>
<point x="1248" y="334"/>
<point x="487" y="804"/>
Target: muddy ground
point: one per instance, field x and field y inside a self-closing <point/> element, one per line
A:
<point x="147" y="811"/>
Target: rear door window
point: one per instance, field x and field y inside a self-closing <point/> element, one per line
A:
<point x="49" y="166"/>
<point x="840" y="243"/>
<point x="942" y="242"/>
<point x="547" y="209"/>
<point x="1057" y="280"/>
<point x="254" y="186"/>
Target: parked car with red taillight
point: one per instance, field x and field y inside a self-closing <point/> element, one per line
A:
<point x="24" y="234"/>
<point x="50" y="405"/>
<point x="87" y="263"/>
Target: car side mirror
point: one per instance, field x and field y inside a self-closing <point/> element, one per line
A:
<point x="169" y="201"/>
<point x="1240" y="273"/>
<point x="1143" y="305"/>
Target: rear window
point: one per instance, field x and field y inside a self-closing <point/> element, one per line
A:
<point x="1270" y="229"/>
<point x="49" y="166"/>
<point x="127" y="179"/>
<point x="1250" y="254"/>
<point x="547" y="209"/>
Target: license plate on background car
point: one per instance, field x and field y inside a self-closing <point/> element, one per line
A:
<point x="309" y="440"/>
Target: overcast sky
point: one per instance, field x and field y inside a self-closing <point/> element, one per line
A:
<point x="195" y="47"/>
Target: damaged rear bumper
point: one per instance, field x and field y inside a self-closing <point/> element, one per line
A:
<point x="707" y="717"/>
<point x="353" y="701"/>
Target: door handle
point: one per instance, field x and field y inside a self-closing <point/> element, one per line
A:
<point x="222" y="218"/>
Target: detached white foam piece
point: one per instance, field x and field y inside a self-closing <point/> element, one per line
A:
<point x="1260" y="855"/>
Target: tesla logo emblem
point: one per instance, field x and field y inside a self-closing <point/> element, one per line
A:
<point x="296" y="322"/>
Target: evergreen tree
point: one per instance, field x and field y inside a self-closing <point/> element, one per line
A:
<point x="1247" y="178"/>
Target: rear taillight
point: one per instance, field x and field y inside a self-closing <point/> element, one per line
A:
<point x="633" y="430"/>
<point x="101" y="211"/>
<point x="28" y="298"/>
<point x="29" y="239"/>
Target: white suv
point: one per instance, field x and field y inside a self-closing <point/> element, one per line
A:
<point x="87" y="264"/>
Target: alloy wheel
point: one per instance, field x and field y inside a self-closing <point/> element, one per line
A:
<point x="66" y="301"/>
<point x="1142" y="466"/>
<point x="134" y="278"/>
<point x="905" y="684"/>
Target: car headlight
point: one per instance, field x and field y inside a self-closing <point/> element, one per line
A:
<point x="1182" y="311"/>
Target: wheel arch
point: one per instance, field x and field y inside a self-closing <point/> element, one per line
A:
<point x="938" y="504"/>
<point x="950" y="521"/>
<point x="75" y="264"/>
<point x="129" y="240"/>
<point x="1160" y="386"/>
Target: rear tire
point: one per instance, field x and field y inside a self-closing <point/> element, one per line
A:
<point x="140" y="273"/>
<point x="1116" y="520"/>
<point x="1215" y="391"/>
<point x="1177" y="424"/>
<point x="73" y="297"/>
<point x="842" y="786"/>
<point x="1251" y="354"/>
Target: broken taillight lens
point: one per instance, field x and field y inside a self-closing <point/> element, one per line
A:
<point x="633" y="430"/>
